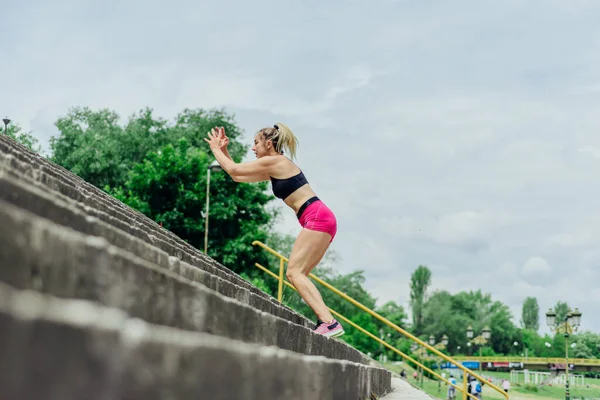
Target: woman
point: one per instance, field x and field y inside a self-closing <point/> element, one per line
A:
<point x="318" y="223"/>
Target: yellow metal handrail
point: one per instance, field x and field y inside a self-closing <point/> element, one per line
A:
<point x="465" y="370"/>
<point x="532" y="360"/>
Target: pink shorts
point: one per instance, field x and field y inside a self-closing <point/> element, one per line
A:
<point x="317" y="216"/>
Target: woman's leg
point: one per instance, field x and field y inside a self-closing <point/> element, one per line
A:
<point x="309" y="248"/>
<point x="319" y="258"/>
<point x="308" y="271"/>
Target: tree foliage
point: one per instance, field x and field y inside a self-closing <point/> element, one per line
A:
<point x="447" y="314"/>
<point x="561" y="309"/>
<point x="419" y="282"/>
<point x="94" y="146"/>
<point x="530" y="315"/>
<point x="27" y="139"/>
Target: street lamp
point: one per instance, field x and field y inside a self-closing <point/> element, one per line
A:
<point x="6" y="122"/>
<point x="214" y="166"/>
<point x="441" y="345"/>
<point x="576" y="318"/>
<point x="567" y="326"/>
<point x="481" y="340"/>
<point x="487" y="333"/>
<point x="551" y="318"/>
<point x="421" y="353"/>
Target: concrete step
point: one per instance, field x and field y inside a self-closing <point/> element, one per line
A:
<point x="26" y="166"/>
<point x="15" y="189"/>
<point x="59" y="349"/>
<point x="97" y="203"/>
<point x="40" y="255"/>
<point x="62" y="180"/>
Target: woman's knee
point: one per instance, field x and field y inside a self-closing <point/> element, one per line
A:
<point x="291" y="273"/>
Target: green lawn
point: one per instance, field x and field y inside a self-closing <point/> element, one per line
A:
<point x="516" y="393"/>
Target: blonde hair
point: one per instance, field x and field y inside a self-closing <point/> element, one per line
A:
<point x="282" y="137"/>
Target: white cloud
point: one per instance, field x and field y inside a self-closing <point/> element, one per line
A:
<point x="580" y="239"/>
<point x="595" y="152"/>
<point x="469" y="230"/>
<point x="537" y="270"/>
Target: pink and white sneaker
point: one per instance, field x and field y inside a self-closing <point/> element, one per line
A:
<point x="333" y="329"/>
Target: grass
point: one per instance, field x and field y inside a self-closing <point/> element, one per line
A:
<point x="517" y="392"/>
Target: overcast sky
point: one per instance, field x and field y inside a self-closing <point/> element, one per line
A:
<point x="460" y="135"/>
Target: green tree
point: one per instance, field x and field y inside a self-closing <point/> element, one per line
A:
<point x="443" y="316"/>
<point x="93" y="145"/>
<point x="587" y="345"/>
<point x="530" y="314"/>
<point x="537" y="345"/>
<point x="89" y="145"/>
<point x="27" y="139"/>
<point x="504" y="332"/>
<point x="561" y="309"/>
<point x="396" y="314"/>
<point x="528" y="339"/>
<point x="444" y="313"/>
<point x="419" y="282"/>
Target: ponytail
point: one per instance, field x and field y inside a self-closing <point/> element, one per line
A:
<point x="282" y="137"/>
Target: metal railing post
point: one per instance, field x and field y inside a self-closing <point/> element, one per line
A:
<point x="465" y="384"/>
<point x="280" y="292"/>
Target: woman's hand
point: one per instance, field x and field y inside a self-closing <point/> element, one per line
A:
<point x="217" y="139"/>
<point x="221" y="130"/>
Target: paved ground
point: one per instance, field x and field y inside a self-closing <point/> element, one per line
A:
<point x="405" y="391"/>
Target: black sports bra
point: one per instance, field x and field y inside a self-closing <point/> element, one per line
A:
<point x="282" y="188"/>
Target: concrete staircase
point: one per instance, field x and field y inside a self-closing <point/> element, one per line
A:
<point x="99" y="302"/>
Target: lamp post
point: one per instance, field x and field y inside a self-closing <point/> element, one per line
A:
<point x="6" y="122"/>
<point x="441" y="345"/>
<point x="214" y="166"/>
<point x="567" y="326"/>
<point x="420" y="352"/>
<point x="480" y="340"/>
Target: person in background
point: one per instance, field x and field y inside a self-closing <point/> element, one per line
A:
<point x="451" y="389"/>
<point x="475" y="388"/>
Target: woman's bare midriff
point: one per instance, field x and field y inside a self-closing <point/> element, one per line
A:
<point x="296" y="199"/>
<point x="286" y="168"/>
